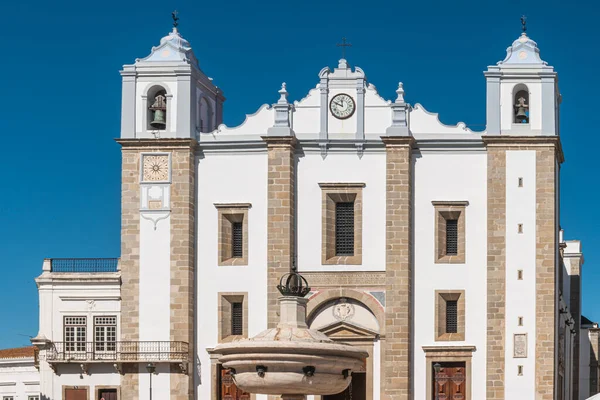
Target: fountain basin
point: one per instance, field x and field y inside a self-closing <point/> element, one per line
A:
<point x="285" y="363"/>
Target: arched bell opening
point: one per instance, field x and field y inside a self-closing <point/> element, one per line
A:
<point x="350" y="321"/>
<point x="205" y="114"/>
<point x="521" y="104"/>
<point x="157" y="108"/>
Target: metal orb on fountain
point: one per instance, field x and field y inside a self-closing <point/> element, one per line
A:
<point x="290" y="359"/>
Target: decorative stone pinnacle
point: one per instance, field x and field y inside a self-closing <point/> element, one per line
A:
<point x="284" y="94"/>
<point x="400" y="92"/>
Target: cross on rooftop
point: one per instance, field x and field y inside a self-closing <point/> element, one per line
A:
<point x="343" y="45"/>
<point x="175" y="17"/>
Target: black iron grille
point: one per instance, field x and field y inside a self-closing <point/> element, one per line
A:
<point x="451" y="316"/>
<point x="237" y="239"/>
<point x="344" y="229"/>
<point x="452" y="237"/>
<point x="237" y="319"/>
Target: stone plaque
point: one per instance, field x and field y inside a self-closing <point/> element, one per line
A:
<point x="520" y="345"/>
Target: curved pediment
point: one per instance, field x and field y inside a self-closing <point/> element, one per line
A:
<point x="256" y="123"/>
<point x="423" y="121"/>
<point x="172" y="47"/>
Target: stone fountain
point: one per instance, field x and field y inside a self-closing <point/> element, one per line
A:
<point x="291" y="360"/>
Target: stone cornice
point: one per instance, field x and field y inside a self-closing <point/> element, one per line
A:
<point x="73" y="278"/>
<point x="233" y="205"/>
<point x="163" y="143"/>
<point x="342" y="185"/>
<point x="526" y="141"/>
<point x="448" y="349"/>
<point x="398" y="140"/>
<point x="280" y="141"/>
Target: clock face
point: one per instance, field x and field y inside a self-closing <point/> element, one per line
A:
<point x="342" y="106"/>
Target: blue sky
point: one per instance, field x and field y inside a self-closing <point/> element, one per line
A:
<point x="61" y="104"/>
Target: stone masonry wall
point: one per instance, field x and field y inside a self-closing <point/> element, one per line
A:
<point x="280" y="220"/>
<point x="130" y="263"/>
<point x="396" y="354"/>
<point x="183" y="261"/>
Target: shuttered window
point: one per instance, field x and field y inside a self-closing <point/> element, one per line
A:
<point x="237" y="239"/>
<point x="237" y="319"/>
<point x="344" y="229"/>
<point x="451" y="237"/>
<point x="451" y="316"/>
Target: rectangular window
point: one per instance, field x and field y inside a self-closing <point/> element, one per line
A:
<point x="520" y="274"/>
<point x="344" y="229"/>
<point x="33" y="397"/>
<point x="237" y="318"/>
<point x="75" y="333"/>
<point x="233" y="316"/>
<point x="451" y="237"/>
<point x="237" y="239"/>
<point x="449" y="231"/>
<point x="233" y="233"/>
<point x="519" y="370"/>
<point x="8" y="398"/>
<point x="520" y="321"/>
<point x="452" y="316"/>
<point x="105" y="333"/>
<point x="520" y="182"/>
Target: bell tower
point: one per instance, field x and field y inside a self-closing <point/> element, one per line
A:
<point x="522" y="92"/>
<point x="167" y="103"/>
<point x="167" y="95"/>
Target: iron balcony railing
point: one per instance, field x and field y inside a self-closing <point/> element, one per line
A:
<point x="84" y="264"/>
<point x="117" y="351"/>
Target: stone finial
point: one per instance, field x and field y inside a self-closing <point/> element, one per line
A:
<point x="400" y="92"/>
<point x="284" y="94"/>
<point x="282" y="125"/>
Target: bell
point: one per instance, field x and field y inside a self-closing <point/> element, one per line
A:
<point x="159" y="107"/>
<point x="521" y="116"/>
<point x="159" y="120"/>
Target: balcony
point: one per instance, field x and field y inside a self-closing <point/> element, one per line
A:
<point x="118" y="353"/>
<point x="82" y="265"/>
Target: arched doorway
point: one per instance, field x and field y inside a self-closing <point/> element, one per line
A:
<point x="350" y="321"/>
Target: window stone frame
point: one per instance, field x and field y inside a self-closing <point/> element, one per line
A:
<point x="228" y="213"/>
<point x="441" y="297"/>
<point x="225" y="300"/>
<point x="445" y="210"/>
<point x="333" y="193"/>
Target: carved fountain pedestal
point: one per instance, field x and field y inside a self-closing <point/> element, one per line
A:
<point x="291" y="360"/>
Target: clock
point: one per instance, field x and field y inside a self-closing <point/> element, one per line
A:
<point x="342" y="106"/>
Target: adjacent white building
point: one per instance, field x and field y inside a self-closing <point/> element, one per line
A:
<point x="19" y="376"/>
<point x="435" y="248"/>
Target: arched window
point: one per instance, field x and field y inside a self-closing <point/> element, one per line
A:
<point x="521" y="104"/>
<point x="205" y="116"/>
<point x="157" y="108"/>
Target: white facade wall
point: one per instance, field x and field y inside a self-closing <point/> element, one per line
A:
<point x="154" y="295"/>
<point x="341" y="167"/>
<point x="450" y="176"/>
<point x="229" y="178"/>
<point x="19" y="378"/>
<point x="520" y="255"/>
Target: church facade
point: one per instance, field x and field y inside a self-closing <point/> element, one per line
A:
<point x="435" y="248"/>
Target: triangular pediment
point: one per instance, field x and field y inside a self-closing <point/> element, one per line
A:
<point x="342" y="330"/>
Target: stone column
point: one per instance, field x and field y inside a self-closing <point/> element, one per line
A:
<point x="396" y="369"/>
<point x="183" y="262"/>
<point x="496" y="272"/>
<point x="281" y="213"/>
<point x="130" y="263"/>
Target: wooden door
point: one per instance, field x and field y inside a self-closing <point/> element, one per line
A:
<point x="450" y="382"/>
<point x="76" y="394"/>
<point x="228" y="389"/>
<point x="107" y="394"/>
